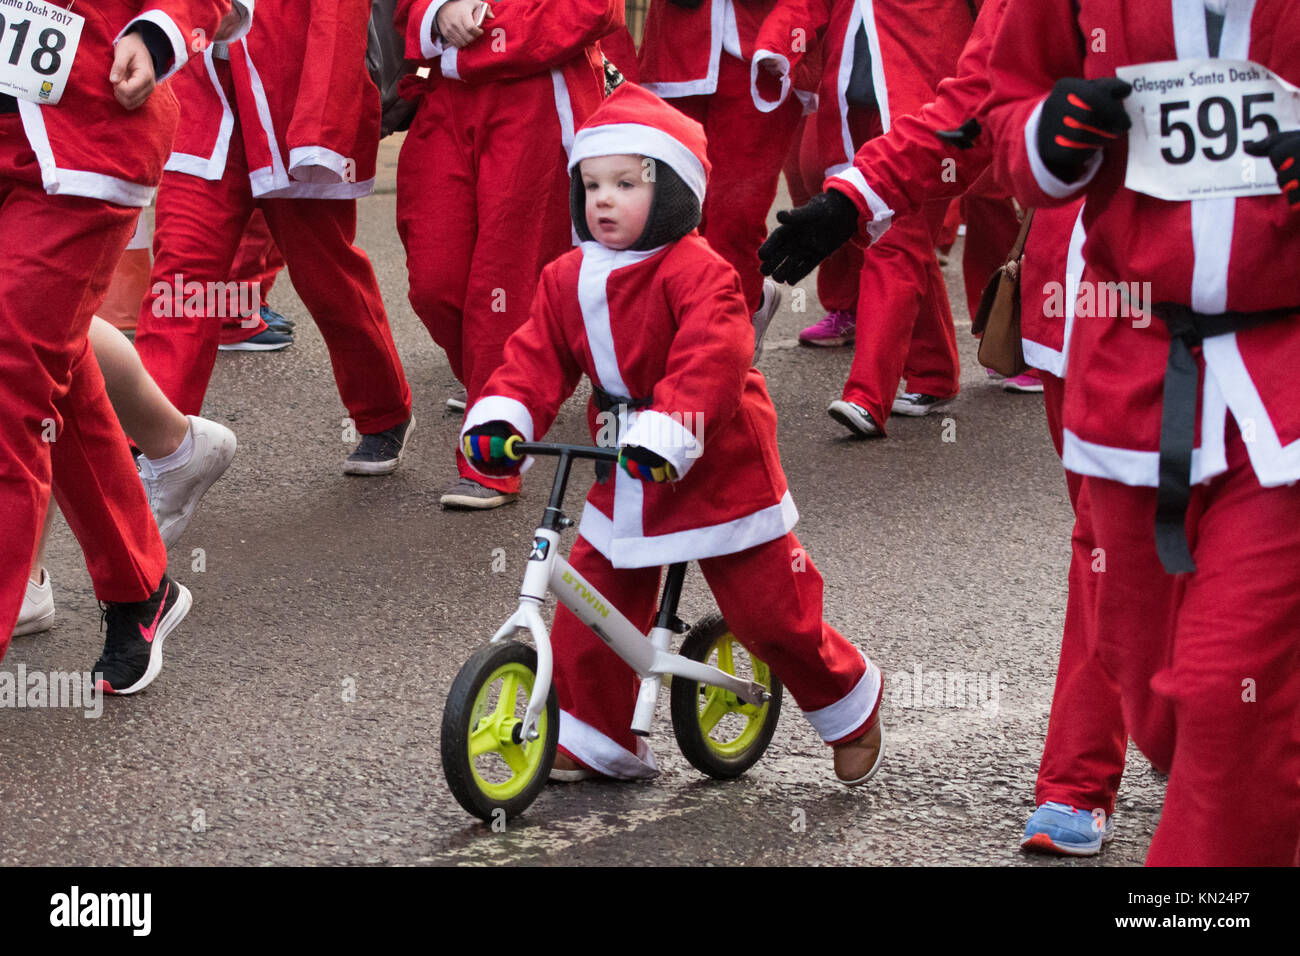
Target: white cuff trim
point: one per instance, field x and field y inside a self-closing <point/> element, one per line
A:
<point x="667" y="437"/>
<point x="882" y="217"/>
<point x="500" y="408"/>
<point x="760" y="104"/>
<point x="180" y="49"/>
<point x="431" y="48"/>
<point x="1047" y="181"/>
<point x="602" y="755"/>
<point x="316" y="164"/>
<point x="851" y="711"/>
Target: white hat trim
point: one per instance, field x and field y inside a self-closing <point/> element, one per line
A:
<point x="614" y="139"/>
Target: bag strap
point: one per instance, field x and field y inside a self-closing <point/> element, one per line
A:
<point x="1018" y="249"/>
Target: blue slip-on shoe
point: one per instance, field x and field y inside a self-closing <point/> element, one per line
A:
<point x="1060" y="828"/>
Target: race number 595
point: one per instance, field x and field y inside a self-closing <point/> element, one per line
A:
<point x="45" y="57"/>
<point x="1219" y="123"/>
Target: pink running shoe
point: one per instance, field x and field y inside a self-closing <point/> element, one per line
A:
<point x="1027" y="384"/>
<point x="836" y="329"/>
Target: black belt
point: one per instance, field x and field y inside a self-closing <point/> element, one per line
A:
<point x="609" y="402"/>
<point x="1178" y="418"/>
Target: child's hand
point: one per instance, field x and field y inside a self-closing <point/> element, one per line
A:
<point x="645" y="465"/>
<point x="772" y="66"/>
<point x="458" y="21"/>
<point x="486" y="448"/>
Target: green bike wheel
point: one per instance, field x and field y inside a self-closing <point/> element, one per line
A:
<point x="488" y="767"/>
<point x="720" y="734"/>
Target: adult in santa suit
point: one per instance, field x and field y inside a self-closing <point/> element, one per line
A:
<point x="660" y="325"/>
<point x="698" y="55"/>
<point x="901" y="172"/>
<point x="482" y="191"/>
<point x="285" y="119"/>
<point x="73" y="177"/>
<point x="1193" y="604"/>
<point x="883" y="59"/>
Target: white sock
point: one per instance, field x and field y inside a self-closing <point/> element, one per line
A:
<point x="181" y="456"/>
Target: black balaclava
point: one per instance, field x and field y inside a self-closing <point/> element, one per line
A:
<point x="674" y="210"/>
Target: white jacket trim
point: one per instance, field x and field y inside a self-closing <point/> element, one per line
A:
<point x="730" y="537"/>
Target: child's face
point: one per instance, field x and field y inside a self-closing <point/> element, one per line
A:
<point x="619" y="190"/>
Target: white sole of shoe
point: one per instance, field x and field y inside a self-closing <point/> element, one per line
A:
<point x="372" y="468"/>
<point x="468" y="503"/>
<point x="1023" y="389"/>
<point x="850" y="420"/>
<point x="35" y="625"/>
<point x="875" y="767"/>
<point x="827" y="343"/>
<point x="253" y="347"/>
<point x="912" y="411"/>
<point x="184" y="601"/>
<point x="225" y="446"/>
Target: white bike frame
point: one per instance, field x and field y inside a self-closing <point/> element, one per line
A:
<point x="651" y="658"/>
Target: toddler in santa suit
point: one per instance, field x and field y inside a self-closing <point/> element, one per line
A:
<point x="657" y="320"/>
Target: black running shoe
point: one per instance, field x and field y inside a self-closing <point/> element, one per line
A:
<point x="132" y="654"/>
<point x="379" y="454"/>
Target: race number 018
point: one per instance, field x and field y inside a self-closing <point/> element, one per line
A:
<point x="45" y="58"/>
<point x="1227" y="129"/>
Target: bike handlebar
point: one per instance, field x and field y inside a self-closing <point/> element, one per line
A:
<point x="517" y="449"/>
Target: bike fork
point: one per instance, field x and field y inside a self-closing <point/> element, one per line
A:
<point x="666" y="625"/>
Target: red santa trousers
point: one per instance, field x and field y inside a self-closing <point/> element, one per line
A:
<point x="482" y="206"/>
<point x="827" y="676"/>
<point x="1208" y="663"/>
<point x="257" y="260"/>
<point x="197" y="230"/>
<point x="991" y="230"/>
<point x="746" y="150"/>
<point x="1083" y="756"/>
<point x="51" y="387"/>
<point x="905" y="325"/>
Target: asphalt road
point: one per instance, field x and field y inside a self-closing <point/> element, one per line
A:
<point x="297" y="716"/>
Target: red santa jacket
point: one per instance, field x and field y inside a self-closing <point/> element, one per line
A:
<point x="1213" y="255"/>
<point x="681" y="49"/>
<point x="669" y="325"/>
<point x="89" y="144"/>
<point x="914" y="44"/>
<point x="895" y="174"/>
<point x="307" y="109"/>
<point x="523" y="39"/>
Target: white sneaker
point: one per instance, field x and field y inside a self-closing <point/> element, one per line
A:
<point x="175" y="494"/>
<point x="917" y="405"/>
<point x="855" y="418"/>
<point x="37" y="613"/>
<point x="766" y="312"/>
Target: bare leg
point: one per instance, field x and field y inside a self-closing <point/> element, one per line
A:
<point x="153" y="422"/>
<point x="38" y="562"/>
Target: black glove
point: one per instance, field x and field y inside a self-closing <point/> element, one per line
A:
<point x="486" y="447"/>
<point x="645" y="465"/>
<point x="1283" y="151"/>
<point x="808" y="235"/>
<point x="1080" y="117"/>
<point x="687" y="4"/>
<point x="964" y="136"/>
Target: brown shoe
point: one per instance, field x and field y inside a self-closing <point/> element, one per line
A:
<point x="567" y="770"/>
<point x="858" y="761"/>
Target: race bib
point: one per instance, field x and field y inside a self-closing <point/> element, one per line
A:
<point x="37" y="44"/>
<point x="1192" y="120"/>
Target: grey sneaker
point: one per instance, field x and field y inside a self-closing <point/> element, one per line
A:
<point x="380" y="453"/>
<point x="855" y="418"/>
<point x="468" y="495"/>
<point x="917" y="405"/>
<point x="763" y="317"/>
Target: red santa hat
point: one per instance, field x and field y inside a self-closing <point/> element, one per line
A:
<point x="633" y="120"/>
